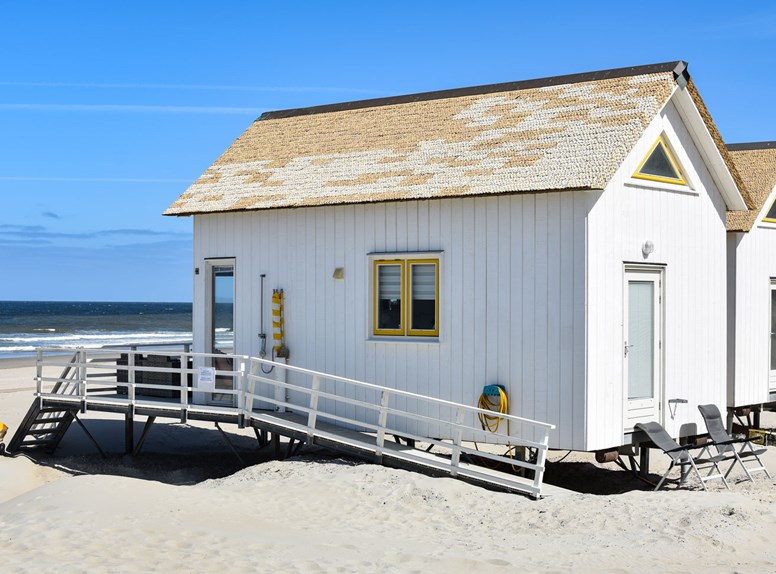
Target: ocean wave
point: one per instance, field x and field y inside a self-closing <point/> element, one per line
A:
<point x="27" y="343"/>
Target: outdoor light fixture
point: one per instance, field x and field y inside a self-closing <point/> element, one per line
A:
<point x="339" y="273"/>
<point x="647" y="248"/>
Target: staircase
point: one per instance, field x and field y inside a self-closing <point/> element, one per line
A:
<point x="44" y="427"/>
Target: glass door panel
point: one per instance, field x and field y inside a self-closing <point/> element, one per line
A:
<point x="221" y="326"/>
<point x="772" y="377"/>
<point x="642" y="359"/>
<point x="641" y="340"/>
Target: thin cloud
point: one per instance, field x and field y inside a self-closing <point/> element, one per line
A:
<point x="51" y="215"/>
<point x="12" y="242"/>
<point x="95" y="179"/>
<point x="11" y="228"/>
<point x="130" y="108"/>
<point x="225" y="88"/>
<point x="30" y="233"/>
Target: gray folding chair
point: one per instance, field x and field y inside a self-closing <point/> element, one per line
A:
<point x="681" y="455"/>
<point x="726" y="444"/>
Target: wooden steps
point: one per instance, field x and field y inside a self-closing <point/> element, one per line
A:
<point x="42" y="428"/>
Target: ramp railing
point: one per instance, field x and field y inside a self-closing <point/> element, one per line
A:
<point x="320" y="404"/>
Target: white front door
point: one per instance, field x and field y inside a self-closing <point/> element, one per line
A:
<point x="772" y="377"/>
<point x="642" y="342"/>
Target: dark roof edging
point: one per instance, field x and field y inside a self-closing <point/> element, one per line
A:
<point x="748" y="146"/>
<point x="679" y="68"/>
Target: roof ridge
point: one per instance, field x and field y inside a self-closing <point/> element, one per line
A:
<point x="678" y="67"/>
<point x="747" y="146"/>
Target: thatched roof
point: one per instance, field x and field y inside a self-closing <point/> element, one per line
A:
<point x="561" y="133"/>
<point x="756" y="163"/>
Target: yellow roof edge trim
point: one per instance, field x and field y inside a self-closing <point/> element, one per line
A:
<point x="674" y="164"/>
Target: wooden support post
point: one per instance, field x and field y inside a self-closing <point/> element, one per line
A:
<point x="276" y="445"/>
<point x="143" y="435"/>
<point x="643" y="461"/>
<point x="129" y="432"/>
<point x="382" y="421"/>
<point x="457" y="436"/>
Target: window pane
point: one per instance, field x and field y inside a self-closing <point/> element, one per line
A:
<point x="658" y="164"/>
<point x="771" y="212"/>
<point x="641" y="338"/>
<point x="389" y="296"/>
<point x="424" y="284"/>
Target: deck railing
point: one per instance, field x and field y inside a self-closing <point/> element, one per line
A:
<point x="321" y="403"/>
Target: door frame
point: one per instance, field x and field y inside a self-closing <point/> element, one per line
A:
<point x="655" y="273"/>
<point x="771" y="372"/>
<point x="210" y="264"/>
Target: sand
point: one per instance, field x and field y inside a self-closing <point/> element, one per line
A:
<point x="185" y="504"/>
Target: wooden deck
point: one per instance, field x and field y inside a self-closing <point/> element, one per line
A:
<point x="74" y="393"/>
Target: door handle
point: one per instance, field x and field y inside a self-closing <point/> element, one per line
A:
<point x="627" y="348"/>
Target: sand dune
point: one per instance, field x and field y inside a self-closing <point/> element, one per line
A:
<point x="320" y="513"/>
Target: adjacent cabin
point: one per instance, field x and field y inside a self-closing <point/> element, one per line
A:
<point x="752" y="280"/>
<point x="562" y="237"/>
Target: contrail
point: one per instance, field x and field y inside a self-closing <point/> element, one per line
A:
<point x="95" y="179"/>
<point x="272" y="89"/>
<point x="130" y="108"/>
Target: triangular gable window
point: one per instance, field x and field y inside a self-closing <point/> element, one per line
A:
<point x="770" y="217"/>
<point x="660" y="165"/>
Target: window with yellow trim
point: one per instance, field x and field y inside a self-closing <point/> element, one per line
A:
<point x="660" y="165"/>
<point x="406" y="297"/>
<point x="770" y="217"/>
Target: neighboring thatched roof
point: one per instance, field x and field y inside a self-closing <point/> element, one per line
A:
<point x="756" y="163"/>
<point x="562" y="133"/>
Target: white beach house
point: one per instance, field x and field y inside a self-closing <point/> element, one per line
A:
<point x="752" y="280"/>
<point x="563" y="237"/>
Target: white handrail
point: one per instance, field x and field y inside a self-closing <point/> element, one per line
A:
<point x="460" y="425"/>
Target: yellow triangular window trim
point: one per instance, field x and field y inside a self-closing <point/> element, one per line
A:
<point x="679" y="180"/>
<point x="770" y="215"/>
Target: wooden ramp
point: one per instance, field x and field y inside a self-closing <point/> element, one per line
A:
<point x="395" y="454"/>
<point x="357" y="418"/>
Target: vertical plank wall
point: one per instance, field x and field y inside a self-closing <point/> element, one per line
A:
<point x="512" y="300"/>
<point x="752" y="266"/>
<point x="688" y="232"/>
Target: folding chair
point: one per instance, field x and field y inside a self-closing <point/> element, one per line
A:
<point x="681" y="455"/>
<point x="725" y="444"/>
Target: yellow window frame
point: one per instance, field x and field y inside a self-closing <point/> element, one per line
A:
<point x="423" y="332"/>
<point x="767" y="219"/>
<point x="376" y="296"/>
<point x="669" y="154"/>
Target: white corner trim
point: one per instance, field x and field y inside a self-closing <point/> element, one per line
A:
<point x="708" y="149"/>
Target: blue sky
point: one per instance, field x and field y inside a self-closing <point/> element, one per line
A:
<point x="108" y="111"/>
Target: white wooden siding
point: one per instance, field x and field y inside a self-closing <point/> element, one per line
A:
<point x="688" y="232"/>
<point x="530" y="292"/>
<point x="752" y="260"/>
<point x="511" y="295"/>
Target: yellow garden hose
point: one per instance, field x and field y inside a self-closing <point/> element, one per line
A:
<point x="499" y="405"/>
<point x="496" y="403"/>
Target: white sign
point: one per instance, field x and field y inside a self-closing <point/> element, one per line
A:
<point x="206" y="381"/>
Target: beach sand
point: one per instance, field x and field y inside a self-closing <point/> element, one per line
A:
<point x="185" y="504"/>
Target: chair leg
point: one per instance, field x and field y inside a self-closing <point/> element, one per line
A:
<point x="697" y="472"/>
<point x="741" y="462"/>
<point x="660" y="483"/>
<point x="710" y="475"/>
<point x="757" y="458"/>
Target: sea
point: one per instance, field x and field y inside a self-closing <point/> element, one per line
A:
<point x="26" y="325"/>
